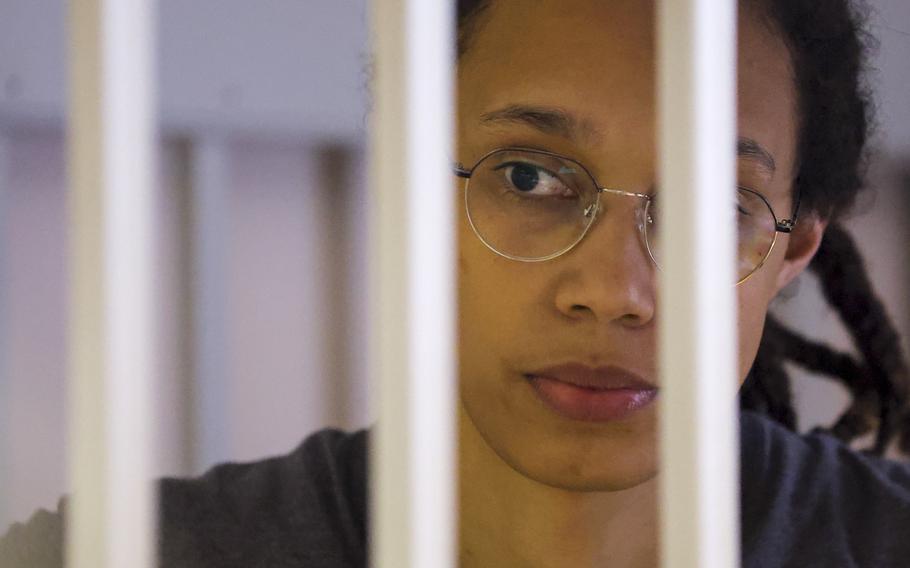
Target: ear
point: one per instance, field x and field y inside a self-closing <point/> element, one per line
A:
<point x="801" y="247"/>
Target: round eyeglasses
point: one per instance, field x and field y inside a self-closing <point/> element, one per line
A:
<point x="532" y="205"/>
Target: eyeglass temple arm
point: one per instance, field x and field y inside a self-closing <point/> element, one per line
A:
<point x="786" y="225"/>
<point x="460" y="170"/>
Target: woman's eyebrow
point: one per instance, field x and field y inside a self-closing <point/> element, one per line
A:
<point x="549" y="120"/>
<point x="751" y="149"/>
<point x="559" y="122"/>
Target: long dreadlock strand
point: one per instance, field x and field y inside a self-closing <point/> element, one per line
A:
<point x="816" y="357"/>
<point x="846" y="287"/>
<point x="858" y="419"/>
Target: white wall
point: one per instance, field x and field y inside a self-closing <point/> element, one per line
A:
<point x="32" y="304"/>
<point x="285" y="318"/>
<point x="283" y="83"/>
<point x="280" y="66"/>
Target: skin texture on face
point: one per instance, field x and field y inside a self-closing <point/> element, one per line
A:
<point x="597" y="304"/>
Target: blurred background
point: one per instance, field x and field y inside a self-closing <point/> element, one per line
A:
<point x="262" y="238"/>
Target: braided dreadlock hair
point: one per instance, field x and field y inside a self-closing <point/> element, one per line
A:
<point x="828" y="48"/>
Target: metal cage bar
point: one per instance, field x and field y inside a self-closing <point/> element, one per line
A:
<point x="5" y="402"/>
<point x="209" y="189"/>
<point x="699" y="430"/>
<point x="413" y="272"/>
<point x="110" y="144"/>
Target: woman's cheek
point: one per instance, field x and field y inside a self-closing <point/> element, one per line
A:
<point x="753" y="307"/>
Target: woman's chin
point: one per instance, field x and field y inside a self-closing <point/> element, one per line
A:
<point x="617" y="475"/>
<point x="572" y="462"/>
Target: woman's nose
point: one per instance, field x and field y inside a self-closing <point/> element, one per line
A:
<point x="609" y="276"/>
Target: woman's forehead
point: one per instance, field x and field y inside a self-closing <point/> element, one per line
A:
<point x="597" y="61"/>
<point x="530" y="42"/>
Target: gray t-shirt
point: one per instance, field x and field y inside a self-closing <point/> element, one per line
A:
<point x="806" y="501"/>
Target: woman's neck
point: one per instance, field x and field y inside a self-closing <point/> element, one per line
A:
<point x="511" y="521"/>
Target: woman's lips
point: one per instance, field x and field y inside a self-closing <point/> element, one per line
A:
<point x="582" y="393"/>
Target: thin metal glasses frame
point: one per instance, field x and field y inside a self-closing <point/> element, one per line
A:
<point x="780" y="225"/>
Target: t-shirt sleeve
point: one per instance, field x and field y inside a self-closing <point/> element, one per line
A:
<point x="809" y="500"/>
<point x="37" y="543"/>
<point x="305" y="509"/>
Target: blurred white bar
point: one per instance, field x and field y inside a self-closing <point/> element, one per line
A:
<point x="413" y="291"/>
<point x="5" y="422"/>
<point x="699" y="425"/>
<point x="209" y="188"/>
<point x="111" y="518"/>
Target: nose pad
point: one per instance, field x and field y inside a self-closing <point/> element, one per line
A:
<point x="640" y="220"/>
<point x="591" y="211"/>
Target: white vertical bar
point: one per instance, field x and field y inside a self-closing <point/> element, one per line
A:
<point x="209" y="181"/>
<point x="6" y="424"/>
<point x="699" y="426"/>
<point x="413" y="269"/>
<point x="110" y="522"/>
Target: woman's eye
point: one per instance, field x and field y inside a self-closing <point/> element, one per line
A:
<point x="744" y="202"/>
<point x="523" y="176"/>
<point x="533" y="180"/>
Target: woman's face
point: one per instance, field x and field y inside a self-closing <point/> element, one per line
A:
<point x="596" y="305"/>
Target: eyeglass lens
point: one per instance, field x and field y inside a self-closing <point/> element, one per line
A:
<point x="755" y="232"/>
<point x="530" y="206"/>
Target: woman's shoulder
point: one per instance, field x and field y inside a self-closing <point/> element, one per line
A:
<point x="808" y="499"/>
<point x="328" y="469"/>
<point x="304" y="508"/>
<point x="37" y="543"/>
